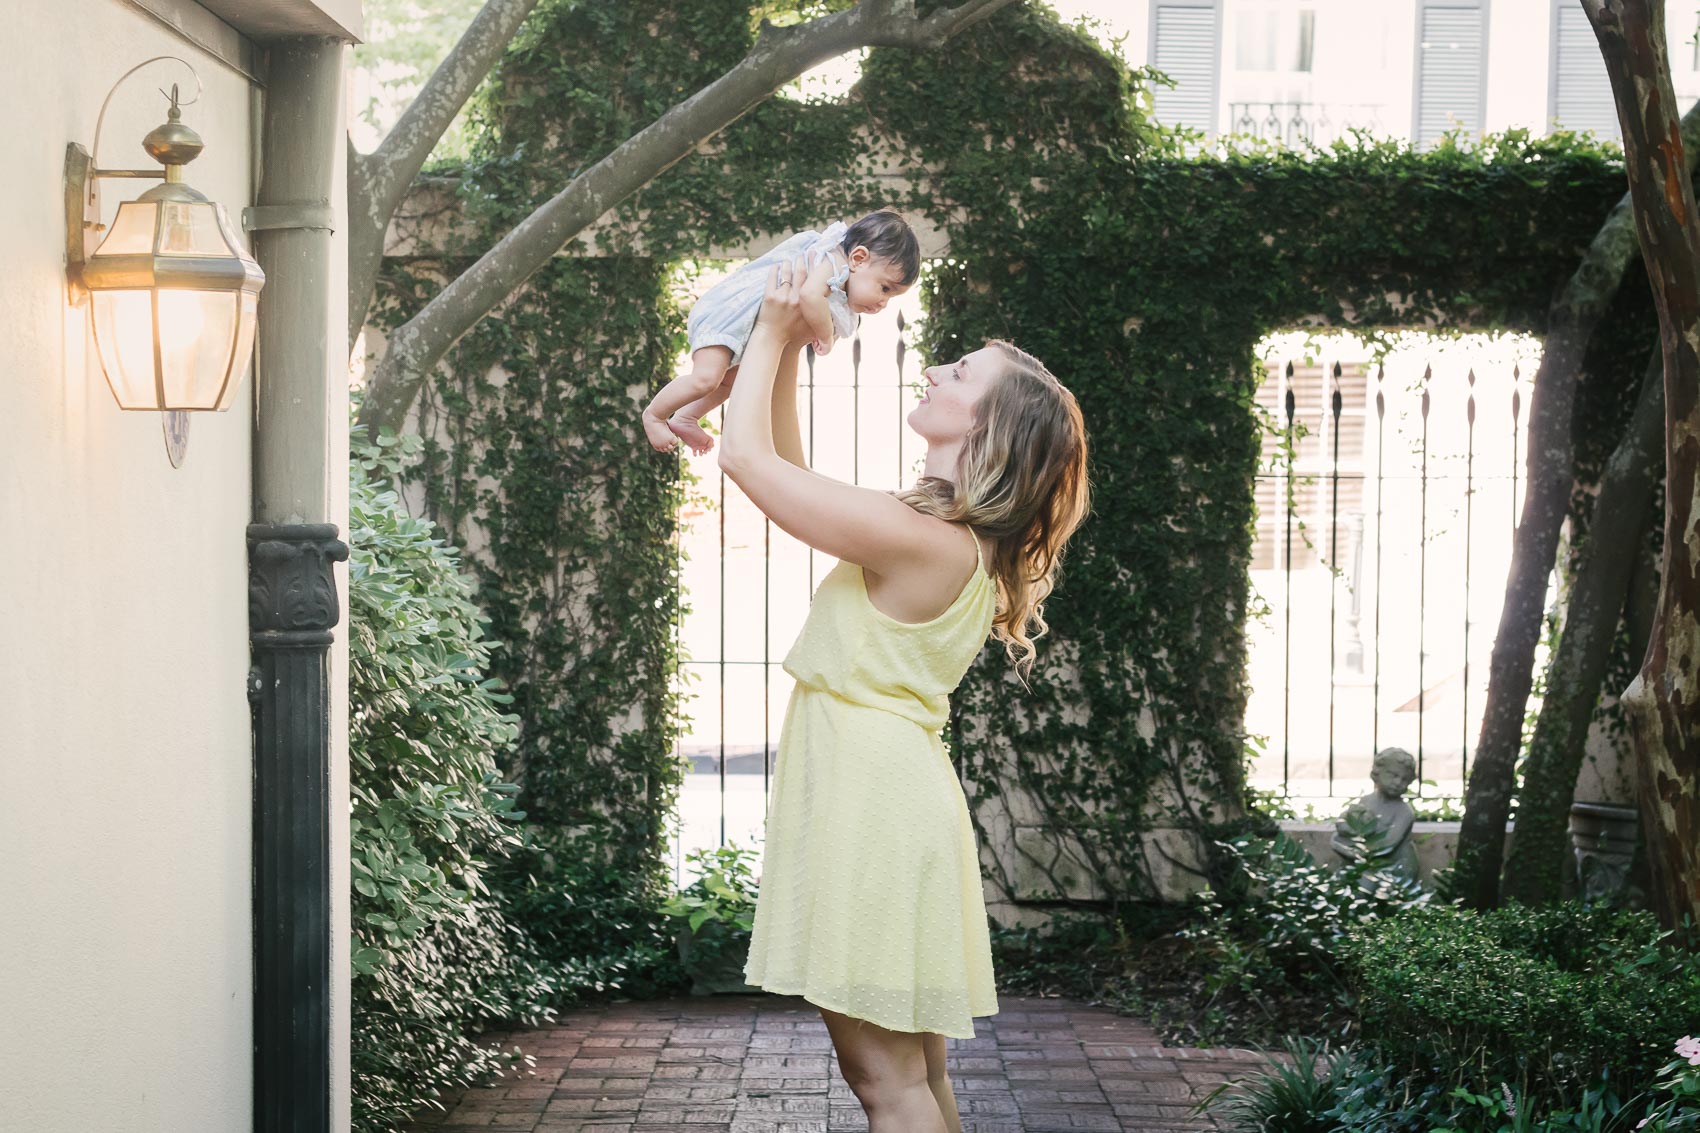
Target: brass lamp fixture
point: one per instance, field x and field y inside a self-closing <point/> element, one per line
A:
<point x="172" y="289"/>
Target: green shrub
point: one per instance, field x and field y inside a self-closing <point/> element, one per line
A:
<point x="432" y="953"/>
<point x="595" y="921"/>
<point x="1289" y="1096"/>
<point x="1544" y="999"/>
<point x="724" y="891"/>
<point x="1354" y="1090"/>
<point x="1284" y="914"/>
<point x="1072" y="954"/>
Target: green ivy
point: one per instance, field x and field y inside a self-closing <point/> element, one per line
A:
<point x="432" y="951"/>
<point x="1142" y="276"/>
<point x="541" y="471"/>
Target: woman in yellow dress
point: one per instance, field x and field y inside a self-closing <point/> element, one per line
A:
<point x="870" y="905"/>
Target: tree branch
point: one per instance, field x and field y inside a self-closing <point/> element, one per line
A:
<point x="378" y="181"/>
<point x="778" y="56"/>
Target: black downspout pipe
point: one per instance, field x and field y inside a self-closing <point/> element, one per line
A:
<point x="300" y="465"/>
<point x="292" y="609"/>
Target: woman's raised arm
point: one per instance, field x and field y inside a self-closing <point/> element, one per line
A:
<point x="787" y="434"/>
<point x="872" y="529"/>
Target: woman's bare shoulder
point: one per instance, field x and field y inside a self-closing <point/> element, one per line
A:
<point x="949" y="547"/>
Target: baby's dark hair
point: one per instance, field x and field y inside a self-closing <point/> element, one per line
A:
<point x="887" y="235"/>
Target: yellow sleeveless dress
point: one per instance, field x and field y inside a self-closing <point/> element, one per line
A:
<point x="870" y="900"/>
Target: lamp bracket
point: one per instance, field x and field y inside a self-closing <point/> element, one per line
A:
<point x="82" y="219"/>
<point x="291" y="214"/>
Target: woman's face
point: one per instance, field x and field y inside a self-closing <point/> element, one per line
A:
<point x="946" y="411"/>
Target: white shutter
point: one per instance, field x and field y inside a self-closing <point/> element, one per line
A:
<point x="1184" y="47"/>
<point x="1449" y="70"/>
<point x="1581" y="93"/>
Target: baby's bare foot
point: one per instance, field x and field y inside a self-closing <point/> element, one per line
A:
<point x="660" y="436"/>
<point x="691" y="433"/>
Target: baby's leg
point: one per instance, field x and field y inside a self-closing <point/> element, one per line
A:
<point x="687" y="422"/>
<point x="708" y="367"/>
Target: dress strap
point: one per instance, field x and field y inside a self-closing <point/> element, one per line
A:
<point x="979" y="555"/>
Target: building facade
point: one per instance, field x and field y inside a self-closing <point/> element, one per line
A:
<point x="1411" y="69"/>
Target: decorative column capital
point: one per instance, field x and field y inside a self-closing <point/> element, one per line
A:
<point x="291" y="590"/>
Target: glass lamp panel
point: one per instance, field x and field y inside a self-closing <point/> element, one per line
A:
<point x="132" y="230"/>
<point x="123" y="336"/>
<point x="195" y="332"/>
<point x="233" y="240"/>
<point x="248" y="304"/>
<point x="191" y="229"/>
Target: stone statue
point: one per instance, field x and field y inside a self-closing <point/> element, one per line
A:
<point x="1378" y="826"/>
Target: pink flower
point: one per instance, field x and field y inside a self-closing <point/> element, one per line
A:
<point x="1689" y="1048"/>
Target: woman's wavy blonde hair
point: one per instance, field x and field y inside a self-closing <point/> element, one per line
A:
<point x="1021" y="483"/>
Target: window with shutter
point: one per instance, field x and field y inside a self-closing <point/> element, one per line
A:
<point x="1451" y="69"/>
<point x="1580" y="92"/>
<point x="1185" y="45"/>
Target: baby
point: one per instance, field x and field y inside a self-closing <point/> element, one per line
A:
<point x="873" y="260"/>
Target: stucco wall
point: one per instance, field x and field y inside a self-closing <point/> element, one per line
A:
<point x="125" y="766"/>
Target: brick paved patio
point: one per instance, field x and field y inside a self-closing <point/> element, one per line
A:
<point x="765" y="1064"/>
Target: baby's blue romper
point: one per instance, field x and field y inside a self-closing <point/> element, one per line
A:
<point x="726" y="314"/>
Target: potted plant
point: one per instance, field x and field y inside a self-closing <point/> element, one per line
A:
<point x="714" y="915"/>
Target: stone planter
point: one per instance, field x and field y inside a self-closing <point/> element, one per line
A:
<point x="1603" y="836"/>
<point x="714" y="956"/>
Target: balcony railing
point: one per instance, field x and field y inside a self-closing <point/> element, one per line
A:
<point x="1290" y="123"/>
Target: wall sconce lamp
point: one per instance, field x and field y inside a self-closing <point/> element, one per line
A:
<point x="173" y="290"/>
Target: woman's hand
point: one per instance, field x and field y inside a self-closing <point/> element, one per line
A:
<point x="781" y="305"/>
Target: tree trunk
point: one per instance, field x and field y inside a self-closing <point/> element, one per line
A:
<point x="1570" y="323"/>
<point x="1533" y="872"/>
<point x="1642" y="608"/>
<point x="780" y="54"/>
<point x="1663" y="701"/>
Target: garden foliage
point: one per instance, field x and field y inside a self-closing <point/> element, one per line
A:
<point x="539" y="468"/>
<point x="1544" y="1019"/>
<point x="1287" y="916"/>
<point x="432" y="951"/>
<point x="1546" y="999"/>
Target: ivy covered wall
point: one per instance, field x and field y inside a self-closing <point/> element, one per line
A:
<point x="1142" y="277"/>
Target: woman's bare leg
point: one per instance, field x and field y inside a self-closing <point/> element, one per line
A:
<point x="938" y="1080"/>
<point x="887" y="1071"/>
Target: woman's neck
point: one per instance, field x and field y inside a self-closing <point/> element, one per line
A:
<point x="941" y="460"/>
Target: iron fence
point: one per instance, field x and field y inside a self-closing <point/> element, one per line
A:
<point x="1335" y="462"/>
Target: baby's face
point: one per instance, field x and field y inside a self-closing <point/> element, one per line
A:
<point x="872" y="284"/>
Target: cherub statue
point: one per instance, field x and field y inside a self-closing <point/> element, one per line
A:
<point x="1378" y="825"/>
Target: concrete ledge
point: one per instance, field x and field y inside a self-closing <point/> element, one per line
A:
<point x="1436" y="843"/>
<point x="1175" y="860"/>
